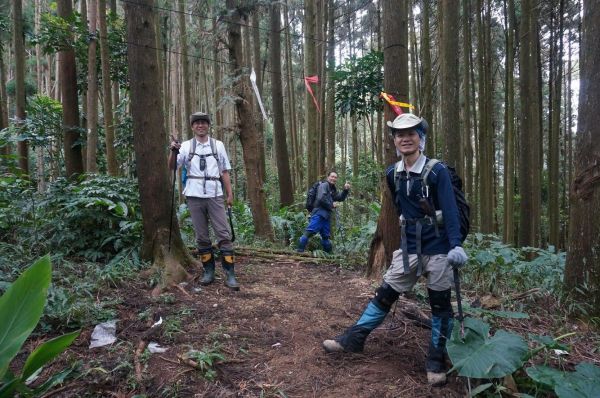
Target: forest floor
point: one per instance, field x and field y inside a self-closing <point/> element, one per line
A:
<point x="268" y="335"/>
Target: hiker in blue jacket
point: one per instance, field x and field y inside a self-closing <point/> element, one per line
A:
<point x="430" y="246"/>
<point x="320" y="218"/>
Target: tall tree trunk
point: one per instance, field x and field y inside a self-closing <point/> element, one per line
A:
<point x="582" y="269"/>
<point x="92" y="92"/>
<point x="529" y="173"/>
<point x="509" y="134"/>
<point x="68" y="85"/>
<point x="250" y="137"/>
<point x="330" y="105"/>
<point x="19" y="48"/>
<point x="467" y="135"/>
<point x="185" y="69"/>
<point x="4" y="150"/>
<point x="109" y="125"/>
<point x="296" y="159"/>
<point x="149" y="140"/>
<point x="554" y="134"/>
<point x="310" y="69"/>
<point x="450" y="126"/>
<point x="427" y="110"/>
<point x="395" y="80"/>
<point x="380" y="131"/>
<point x="286" y="193"/>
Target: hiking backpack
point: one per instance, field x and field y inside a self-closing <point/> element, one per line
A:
<point x="464" y="210"/>
<point x="311" y="196"/>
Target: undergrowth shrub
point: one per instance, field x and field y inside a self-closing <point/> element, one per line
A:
<point x="95" y="219"/>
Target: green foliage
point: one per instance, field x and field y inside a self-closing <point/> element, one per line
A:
<point x="583" y="383"/>
<point x="480" y="355"/>
<point x="42" y="126"/>
<point x="359" y="82"/>
<point x="96" y="219"/>
<point x="495" y="266"/>
<point x="21" y="307"/>
<point x="59" y="34"/>
<point x="205" y="360"/>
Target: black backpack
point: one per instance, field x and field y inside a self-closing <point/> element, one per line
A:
<point x="464" y="210"/>
<point x="311" y="196"/>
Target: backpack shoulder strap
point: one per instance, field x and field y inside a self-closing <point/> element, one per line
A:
<point x="427" y="169"/>
<point x="193" y="151"/>
<point x="213" y="145"/>
<point x="397" y="175"/>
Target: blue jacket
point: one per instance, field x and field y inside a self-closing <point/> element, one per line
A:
<point x="327" y="194"/>
<point x="441" y="195"/>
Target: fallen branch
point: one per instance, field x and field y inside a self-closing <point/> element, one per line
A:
<point x="181" y="289"/>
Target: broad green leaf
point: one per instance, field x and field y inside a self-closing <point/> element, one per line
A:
<point x="480" y="356"/>
<point x="21" y="308"/>
<point x="47" y="352"/>
<point x="583" y="383"/>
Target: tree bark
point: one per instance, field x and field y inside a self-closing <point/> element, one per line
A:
<point x="310" y="69"/>
<point x="286" y="193"/>
<point x="149" y="140"/>
<point x="509" y="134"/>
<point x="427" y="110"/>
<point x="450" y="126"/>
<point x="583" y="258"/>
<point x="395" y="81"/>
<point x="529" y="165"/>
<point x="109" y="125"/>
<point x="19" y="48"/>
<point x="250" y="137"/>
<point x="185" y="69"/>
<point x="92" y="91"/>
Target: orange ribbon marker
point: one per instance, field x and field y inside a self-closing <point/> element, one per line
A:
<point x="307" y="81"/>
<point x="389" y="98"/>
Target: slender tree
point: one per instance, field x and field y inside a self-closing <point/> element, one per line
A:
<point x="310" y="69"/>
<point x="286" y="194"/>
<point x="529" y="164"/>
<point x="450" y="126"/>
<point x="92" y="91"/>
<point x="161" y="239"/>
<point x="109" y="125"/>
<point x="250" y="137"/>
<point x="19" y="49"/>
<point x="583" y="258"/>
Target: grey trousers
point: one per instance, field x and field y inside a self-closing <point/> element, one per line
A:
<point x="204" y="209"/>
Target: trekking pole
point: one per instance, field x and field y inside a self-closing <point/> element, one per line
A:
<point x="231" y="224"/>
<point x="172" y="197"/>
<point x="460" y="318"/>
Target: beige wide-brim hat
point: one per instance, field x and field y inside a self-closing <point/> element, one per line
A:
<point x="405" y="121"/>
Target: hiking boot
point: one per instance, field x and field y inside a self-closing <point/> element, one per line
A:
<point x="209" y="274"/>
<point x="228" y="266"/>
<point x="436" y="379"/>
<point x="332" y="346"/>
<point x="208" y="262"/>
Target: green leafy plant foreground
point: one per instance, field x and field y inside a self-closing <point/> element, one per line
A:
<point x="21" y="307"/>
<point x="480" y="355"/>
<point x="583" y="383"/>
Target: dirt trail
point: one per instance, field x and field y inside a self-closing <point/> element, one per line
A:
<point x="270" y="333"/>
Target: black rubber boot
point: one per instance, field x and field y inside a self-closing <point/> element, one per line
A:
<point x="229" y="268"/>
<point x="208" y="262"/>
<point x="441" y="329"/>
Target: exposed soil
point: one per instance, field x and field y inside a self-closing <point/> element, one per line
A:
<point x="270" y="333"/>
